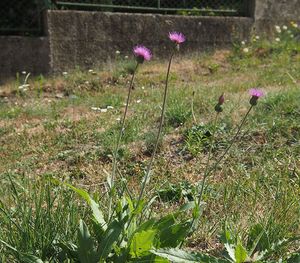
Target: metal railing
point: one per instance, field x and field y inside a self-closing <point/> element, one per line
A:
<point x="185" y="7"/>
<point x="24" y="17"/>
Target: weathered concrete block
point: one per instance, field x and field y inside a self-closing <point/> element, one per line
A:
<point x="31" y="54"/>
<point x="87" y="39"/>
<point x="269" y="13"/>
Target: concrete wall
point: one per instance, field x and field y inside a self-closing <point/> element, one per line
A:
<point x="91" y="38"/>
<point x="29" y="54"/>
<point x="268" y="13"/>
<point x="88" y="39"/>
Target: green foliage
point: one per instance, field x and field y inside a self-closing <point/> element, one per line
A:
<point x="121" y="241"/>
<point x="40" y="215"/>
<point x="178" y="113"/>
<point x="198" y="138"/>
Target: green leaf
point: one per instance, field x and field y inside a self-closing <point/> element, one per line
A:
<point x="180" y="256"/>
<point x="97" y="213"/>
<point x="111" y="235"/>
<point x="295" y="258"/>
<point x="173" y="235"/>
<point x="86" y="246"/>
<point x="149" y="258"/>
<point x="240" y="254"/>
<point x="258" y="239"/>
<point x="187" y="206"/>
<point x="230" y="250"/>
<point x="141" y="243"/>
<point x="27" y="258"/>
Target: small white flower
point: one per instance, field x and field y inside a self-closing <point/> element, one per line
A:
<point x="295" y="25"/>
<point x="118" y="52"/>
<point x="24" y="87"/>
<point x="65" y="73"/>
<point x="118" y="119"/>
<point x="91" y="71"/>
<point x="95" y="109"/>
<point x="278" y="29"/>
<point x="138" y="101"/>
<point x="246" y="50"/>
<point x="277" y="39"/>
<point x="292" y="36"/>
<point x="126" y="57"/>
<point x="284" y="27"/>
<point x="143" y="88"/>
<point x="87" y="83"/>
<point x="243" y="43"/>
<point x="257" y="37"/>
<point x="24" y="72"/>
<point x="109" y="107"/>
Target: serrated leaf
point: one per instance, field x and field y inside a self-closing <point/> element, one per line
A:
<point x="179" y="256"/>
<point x="141" y="243"/>
<point x="230" y="250"/>
<point x="240" y="254"/>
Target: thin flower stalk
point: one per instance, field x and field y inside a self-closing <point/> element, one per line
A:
<point x="177" y="38"/>
<point x="149" y="168"/>
<point x="255" y="95"/>
<point x="142" y="54"/>
<point x="121" y="133"/>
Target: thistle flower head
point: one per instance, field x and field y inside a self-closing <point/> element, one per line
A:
<point x="221" y="99"/>
<point x="177" y="37"/>
<point x="218" y="107"/>
<point x="142" y="53"/>
<point x="256" y="94"/>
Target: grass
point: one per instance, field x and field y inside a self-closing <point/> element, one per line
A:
<point x="52" y="131"/>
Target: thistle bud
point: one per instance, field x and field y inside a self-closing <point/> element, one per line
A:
<point x="221" y="99"/>
<point x="256" y="94"/>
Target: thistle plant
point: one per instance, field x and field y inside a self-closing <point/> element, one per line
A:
<point x="255" y="95"/>
<point x="142" y="54"/>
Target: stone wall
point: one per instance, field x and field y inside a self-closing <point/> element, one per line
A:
<point x="268" y="13"/>
<point x="17" y="54"/>
<point x="88" y="39"/>
<point x="91" y="38"/>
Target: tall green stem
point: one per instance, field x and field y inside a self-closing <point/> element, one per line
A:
<point x="208" y="171"/>
<point x="115" y="155"/>
<point x="208" y="160"/>
<point x="213" y="168"/>
<point x="148" y="171"/>
<point x="231" y="143"/>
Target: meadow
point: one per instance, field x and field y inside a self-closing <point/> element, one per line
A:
<point x="58" y="137"/>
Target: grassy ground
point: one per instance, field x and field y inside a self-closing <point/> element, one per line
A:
<point x="57" y="129"/>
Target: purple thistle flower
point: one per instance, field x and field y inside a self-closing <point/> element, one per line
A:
<point x="177" y="37"/>
<point x="256" y="94"/>
<point x="142" y="53"/>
